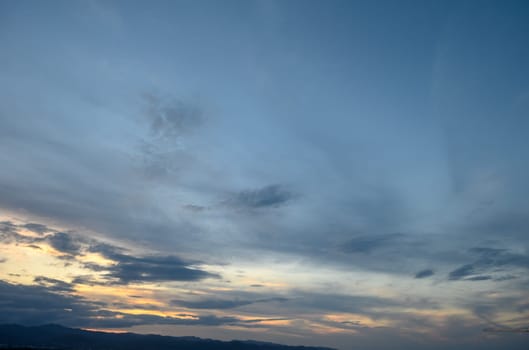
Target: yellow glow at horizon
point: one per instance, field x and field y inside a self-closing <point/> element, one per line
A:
<point x="434" y="313"/>
<point x="326" y="329"/>
<point x="106" y="330"/>
<point x="139" y="311"/>
<point x="122" y="293"/>
<point x="362" y="319"/>
<point x="275" y="322"/>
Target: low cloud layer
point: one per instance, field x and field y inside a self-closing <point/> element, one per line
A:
<point x="37" y="305"/>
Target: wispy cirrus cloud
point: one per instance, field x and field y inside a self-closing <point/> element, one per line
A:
<point x="366" y="244"/>
<point x="489" y="260"/>
<point x="271" y="196"/>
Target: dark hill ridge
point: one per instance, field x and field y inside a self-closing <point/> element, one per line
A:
<point x="59" y="337"/>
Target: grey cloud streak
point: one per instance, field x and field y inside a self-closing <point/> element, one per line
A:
<point x="53" y="285"/>
<point x="366" y="244"/>
<point x="37" y="228"/>
<point x="220" y="304"/>
<point x="271" y="196"/>
<point x="155" y="269"/>
<point x="489" y="260"/>
<point x="424" y="273"/>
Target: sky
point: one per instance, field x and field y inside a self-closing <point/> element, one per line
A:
<point x="350" y="174"/>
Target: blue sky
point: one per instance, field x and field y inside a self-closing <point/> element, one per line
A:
<point x="308" y="172"/>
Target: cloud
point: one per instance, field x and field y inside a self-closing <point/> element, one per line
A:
<point x="221" y="304"/>
<point x="424" y="273"/>
<point x="126" y="268"/>
<point x="6" y="226"/>
<point x="9" y="233"/>
<point x="37" y="228"/>
<point x="194" y="208"/>
<point x="80" y="187"/>
<point x="113" y="319"/>
<point x="65" y="243"/>
<point x="478" y="278"/>
<point x="53" y="285"/>
<point x="33" y="305"/>
<point x="461" y="272"/>
<point x="487" y="252"/>
<point x="339" y="302"/>
<point x="489" y="260"/>
<point x="171" y="119"/>
<point x="491" y="308"/>
<point x="89" y="279"/>
<point x="165" y="154"/>
<point x="155" y="269"/>
<point x="507" y="330"/>
<point x="366" y="244"/>
<point x="109" y="251"/>
<point x="39" y="304"/>
<point x="299" y="304"/>
<point x="271" y="196"/>
<point x="505" y="278"/>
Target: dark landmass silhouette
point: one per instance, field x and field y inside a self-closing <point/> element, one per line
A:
<point x="53" y="336"/>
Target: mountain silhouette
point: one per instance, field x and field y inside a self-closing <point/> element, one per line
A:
<point x="58" y="337"/>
